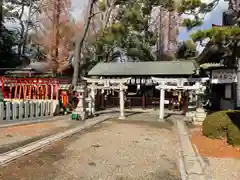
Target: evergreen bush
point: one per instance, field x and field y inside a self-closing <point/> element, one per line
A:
<point x="233" y="133"/>
<point x="223" y="124"/>
<point x="216" y="124"/>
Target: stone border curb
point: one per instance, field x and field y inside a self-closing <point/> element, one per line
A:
<point x="29" y="148"/>
<point x="190" y="163"/>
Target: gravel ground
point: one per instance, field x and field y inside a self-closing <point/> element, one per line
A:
<point x="223" y="168"/>
<point x="219" y="168"/>
<point x="113" y="150"/>
<point x="13" y="137"/>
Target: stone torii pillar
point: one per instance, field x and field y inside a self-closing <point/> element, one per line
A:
<point x="161" y="104"/>
<point x="91" y="97"/>
<point x="93" y="100"/>
<point x="121" y="100"/>
<point x="111" y="84"/>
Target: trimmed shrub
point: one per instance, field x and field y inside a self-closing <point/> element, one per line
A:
<point x="233" y="135"/>
<point x="223" y="124"/>
<point x="215" y="125"/>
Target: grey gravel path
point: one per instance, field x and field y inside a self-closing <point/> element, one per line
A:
<point x="111" y="151"/>
<point x="223" y="168"/>
<point x="12" y="137"/>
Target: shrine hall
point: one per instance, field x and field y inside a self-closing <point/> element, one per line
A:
<point x="145" y="81"/>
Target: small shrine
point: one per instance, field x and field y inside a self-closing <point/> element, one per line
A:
<point x="222" y="72"/>
<point x="35" y="84"/>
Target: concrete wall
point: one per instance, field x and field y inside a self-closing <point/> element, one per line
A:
<point x="26" y="110"/>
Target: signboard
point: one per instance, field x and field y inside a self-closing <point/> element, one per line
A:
<point x="106" y="84"/>
<point x="142" y="80"/>
<point x="223" y="76"/>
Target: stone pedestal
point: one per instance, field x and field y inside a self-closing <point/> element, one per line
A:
<point x="80" y="112"/>
<point x="55" y="107"/>
<point x="2" y="113"/>
<point x="199" y="117"/>
<point x="26" y="110"/>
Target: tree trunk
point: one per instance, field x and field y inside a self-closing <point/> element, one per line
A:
<point x="79" y="46"/>
<point x="56" y="22"/>
<point x="238" y="83"/>
<point x="20" y="45"/>
<point x="25" y="39"/>
<point x="1" y="15"/>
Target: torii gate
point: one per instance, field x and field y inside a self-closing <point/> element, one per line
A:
<point x="107" y="84"/>
<point x="176" y="83"/>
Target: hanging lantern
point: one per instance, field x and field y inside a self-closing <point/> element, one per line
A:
<point x="64" y="98"/>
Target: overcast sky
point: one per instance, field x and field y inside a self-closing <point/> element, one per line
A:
<point x="77" y="7"/>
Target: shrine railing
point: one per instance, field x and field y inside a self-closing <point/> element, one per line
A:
<point x="25" y="110"/>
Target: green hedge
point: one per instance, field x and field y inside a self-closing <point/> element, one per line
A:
<point x="216" y="124"/>
<point x="233" y="135"/>
<point x="223" y="124"/>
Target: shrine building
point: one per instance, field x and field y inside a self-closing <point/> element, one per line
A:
<point x="223" y="78"/>
<point x="141" y="91"/>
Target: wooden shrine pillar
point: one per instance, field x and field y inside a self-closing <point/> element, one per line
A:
<point x="3" y="89"/>
<point x="143" y="101"/>
<point x="20" y="91"/>
<point x="185" y="103"/>
<point x="42" y="91"/>
<point x="34" y="92"/>
<point x="46" y="91"/>
<point x="25" y="88"/>
<point x="16" y="92"/>
<point x="51" y="91"/>
<point x="10" y="92"/>
<point x="56" y="91"/>
<point x="30" y="91"/>
<point x="102" y="100"/>
<point x="98" y="102"/>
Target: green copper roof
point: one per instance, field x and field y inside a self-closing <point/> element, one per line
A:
<point x="184" y="67"/>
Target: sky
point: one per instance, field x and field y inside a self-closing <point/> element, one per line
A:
<point x="214" y="17"/>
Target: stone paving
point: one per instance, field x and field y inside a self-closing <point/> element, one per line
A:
<point x="127" y="149"/>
